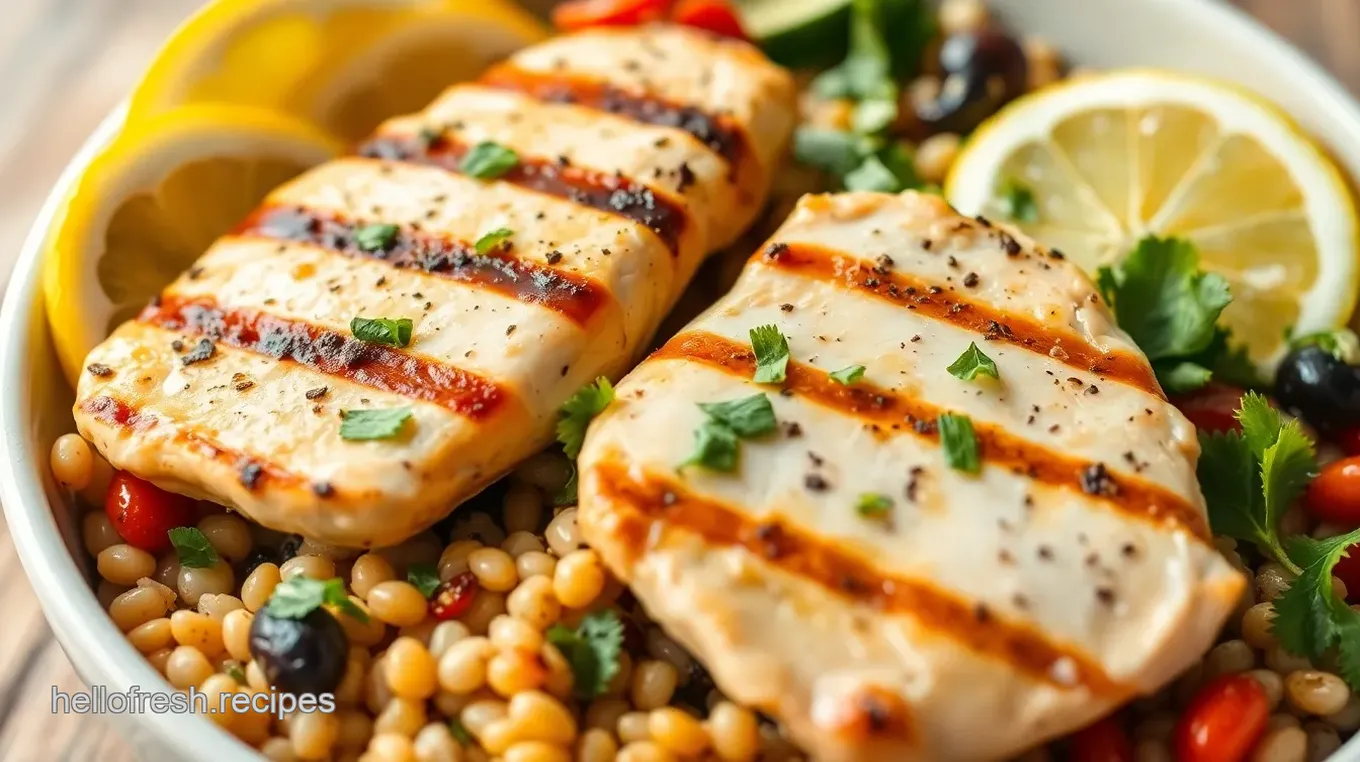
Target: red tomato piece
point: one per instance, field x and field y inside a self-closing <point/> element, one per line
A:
<point x="1349" y="441"/>
<point x="1223" y="721"/>
<point x="582" y="14"/>
<point x="717" y="16"/>
<point x="1212" y="408"/>
<point x="1101" y="741"/>
<point x="1334" y="496"/>
<point x="143" y="513"/>
<point x="453" y="598"/>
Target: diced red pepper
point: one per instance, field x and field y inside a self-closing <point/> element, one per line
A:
<point x="717" y="16"/>
<point x="582" y="14"/>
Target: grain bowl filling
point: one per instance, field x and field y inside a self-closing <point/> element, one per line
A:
<point x="497" y="632"/>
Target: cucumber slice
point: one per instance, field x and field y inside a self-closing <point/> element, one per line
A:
<point x="799" y="33"/>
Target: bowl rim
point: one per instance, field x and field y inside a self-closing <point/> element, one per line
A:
<point x="89" y="638"/>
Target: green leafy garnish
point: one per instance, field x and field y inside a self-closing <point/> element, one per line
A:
<point x="492" y="240"/>
<point x="1017" y="201"/>
<point x="488" y="160"/>
<point x="715" y="447"/>
<point x="772" y="354"/>
<point x="847" y="375"/>
<point x="375" y="237"/>
<point x="1340" y="343"/>
<point x="871" y="64"/>
<point x="592" y="650"/>
<point x="578" y="411"/>
<point x="1170" y="308"/>
<point x="872" y="505"/>
<point x="835" y="151"/>
<point x="746" y="417"/>
<point x="296" y="597"/>
<point x="1310" y="618"/>
<point x="361" y="425"/>
<point x="1250" y="478"/>
<point x="567" y="494"/>
<point x="972" y="363"/>
<point x="193" y="548"/>
<point x="959" y="443"/>
<point x="459" y="732"/>
<point x="392" y="333"/>
<point x="235" y="672"/>
<point x="424" y="577"/>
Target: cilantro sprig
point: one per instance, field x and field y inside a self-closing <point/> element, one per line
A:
<point x="296" y="597"/>
<point x="424" y="577"/>
<point x="717" y="441"/>
<point x="572" y="419"/>
<point x="973" y="363"/>
<point x="772" y="354"/>
<point x="1310" y="618"/>
<point x="592" y="650"/>
<point x="366" y="425"/>
<point x="193" y="548"/>
<point x="1170" y="308"/>
<point x="385" y="331"/>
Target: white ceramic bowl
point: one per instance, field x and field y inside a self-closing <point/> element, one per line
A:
<point x="1201" y="36"/>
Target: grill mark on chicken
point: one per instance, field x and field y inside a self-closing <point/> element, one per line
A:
<point x="720" y="133"/>
<point x="254" y="471"/>
<point x="372" y="365"/>
<point x="574" y="296"/>
<point x="895" y="414"/>
<point x="935" y="302"/>
<point x="612" y="194"/>
<point x="641" y="502"/>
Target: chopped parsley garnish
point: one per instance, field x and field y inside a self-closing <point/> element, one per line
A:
<point x="1310" y="618"/>
<point x="488" y="160"/>
<point x="873" y="505"/>
<point x="376" y="237"/>
<point x="386" y="331"/>
<point x="1017" y="201"/>
<point x="361" y="425"/>
<point x="493" y="240"/>
<point x="973" y="363"/>
<point x="424" y="577"/>
<point x="1170" y="308"/>
<point x="717" y="441"/>
<point x="772" y="354"/>
<point x="193" y="548"/>
<point x="577" y="412"/>
<point x="235" y="672"/>
<point x="959" y="443"/>
<point x="296" y="597"/>
<point x="847" y="375"/>
<point x="459" y="732"/>
<point x="592" y="650"/>
<point x="746" y="417"/>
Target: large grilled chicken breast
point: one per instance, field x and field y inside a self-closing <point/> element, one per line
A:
<point x="979" y="613"/>
<point x="639" y="151"/>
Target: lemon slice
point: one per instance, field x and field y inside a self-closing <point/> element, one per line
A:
<point x="154" y="200"/>
<point x="344" y="64"/>
<point x="1111" y="158"/>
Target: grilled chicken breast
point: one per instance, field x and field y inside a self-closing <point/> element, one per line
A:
<point x="848" y="581"/>
<point x="635" y="153"/>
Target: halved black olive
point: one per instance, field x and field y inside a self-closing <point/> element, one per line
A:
<point x="980" y="72"/>
<point x="306" y="655"/>
<point x="1314" y="385"/>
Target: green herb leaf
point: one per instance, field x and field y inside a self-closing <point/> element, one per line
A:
<point x="578" y="411"/>
<point x="872" y="505"/>
<point x="747" y="417"/>
<point x="235" y="672"/>
<point x="959" y="443"/>
<point x="1163" y="300"/>
<point x="874" y="115"/>
<point x="972" y="363"/>
<point x="392" y="333"/>
<point x="715" y="447"/>
<point x="375" y="237"/>
<point x="296" y="597"/>
<point x="488" y="160"/>
<point x="592" y="650"/>
<point x="1182" y="377"/>
<point x="363" y="425"/>
<point x="772" y="354"/>
<point x="835" y="151"/>
<point x="193" y="548"/>
<point x="567" y="495"/>
<point x="1017" y="201"/>
<point x="1309" y="617"/>
<point x="424" y="577"/>
<point x="847" y="375"/>
<point x="872" y="175"/>
<point x="493" y="240"/>
<point x="460" y="732"/>
<point x="1340" y="343"/>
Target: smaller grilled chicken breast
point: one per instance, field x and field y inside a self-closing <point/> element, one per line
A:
<point x="534" y="227"/>
<point x="844" y="577"/>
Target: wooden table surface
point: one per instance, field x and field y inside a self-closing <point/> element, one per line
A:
<point x="63" y="65"/>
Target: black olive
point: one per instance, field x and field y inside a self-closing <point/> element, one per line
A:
<point x="980" y="72"/>
<point x="289" y="547"/>
<point x="257" y="556"/>
<point x="1324" y="391"/>
<point x="306" y="655"/>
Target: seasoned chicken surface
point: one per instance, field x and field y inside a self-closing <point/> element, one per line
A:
<point x="844" y="578"/>
<point x="631" y="154"/>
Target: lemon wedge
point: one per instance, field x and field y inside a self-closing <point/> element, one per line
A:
<point x="1102" y="161"/>
<point x="154" y="200"/>
<point x="344" y="64"/>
